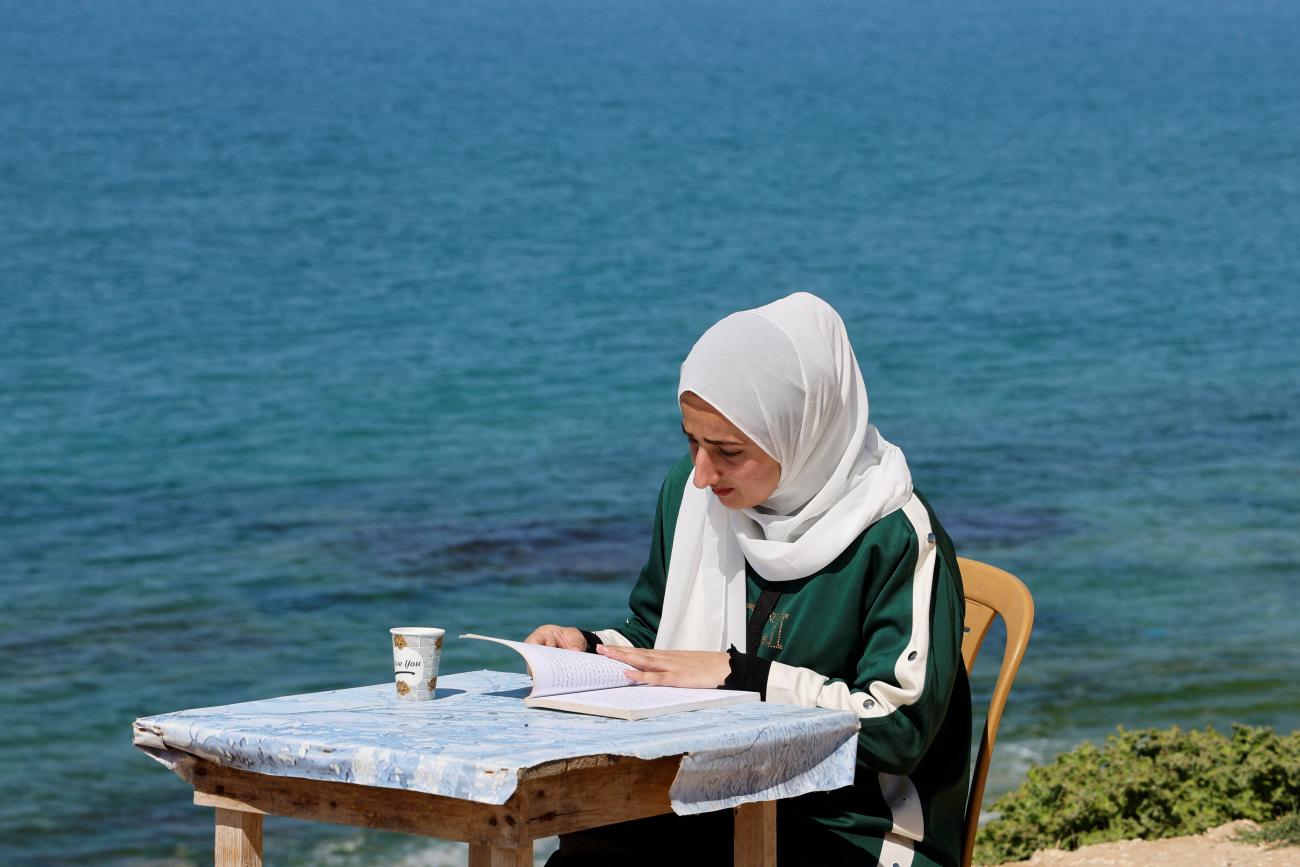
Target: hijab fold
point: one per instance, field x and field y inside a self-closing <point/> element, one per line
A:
<point x="786" y="376"/>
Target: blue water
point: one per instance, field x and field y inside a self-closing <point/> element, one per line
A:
<point x="323" y="318"/>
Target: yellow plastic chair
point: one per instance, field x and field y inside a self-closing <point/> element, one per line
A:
<point x="991" y="592"/>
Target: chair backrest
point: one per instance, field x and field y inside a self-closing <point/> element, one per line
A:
<point x="991" y="591"/>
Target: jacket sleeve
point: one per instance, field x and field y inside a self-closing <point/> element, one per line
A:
<point x="647" y="597"/>
<point x="912" y="650"/>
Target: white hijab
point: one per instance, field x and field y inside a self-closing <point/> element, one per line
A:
<point x="786" y="376"/>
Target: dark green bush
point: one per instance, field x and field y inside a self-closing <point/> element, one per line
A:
<point x="1147" y="783"/>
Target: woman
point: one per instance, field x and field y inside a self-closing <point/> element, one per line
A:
<point x="799" y="562"/>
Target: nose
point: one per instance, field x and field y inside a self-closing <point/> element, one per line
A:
<point x="706" y="475"/>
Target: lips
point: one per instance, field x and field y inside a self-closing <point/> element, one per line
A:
<point x="721" y="492"/>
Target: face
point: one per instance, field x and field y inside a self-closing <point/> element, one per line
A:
<point x="740" y="473"/>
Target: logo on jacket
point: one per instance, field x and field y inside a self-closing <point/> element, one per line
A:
<point x="772" y="629"/>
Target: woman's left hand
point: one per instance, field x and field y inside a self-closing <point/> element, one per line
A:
<point x="702" y="669"/>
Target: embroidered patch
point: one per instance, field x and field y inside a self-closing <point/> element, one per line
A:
<point x="772" y="630"/>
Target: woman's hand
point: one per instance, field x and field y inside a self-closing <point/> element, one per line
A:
<point x="702" y="669"/>
<point x="566" y="637"/>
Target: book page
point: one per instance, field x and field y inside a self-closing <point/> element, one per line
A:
<point x="654" y="697"/>
<point x="557" y="671"/>
<point x="643" y="702"/>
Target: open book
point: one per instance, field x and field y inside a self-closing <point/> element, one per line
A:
<point x="582" y="682"/>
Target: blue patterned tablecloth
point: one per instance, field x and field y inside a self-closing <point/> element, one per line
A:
<point x="475" y="737"/>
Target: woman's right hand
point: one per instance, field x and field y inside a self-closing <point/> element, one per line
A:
<point x="550" y="635"/>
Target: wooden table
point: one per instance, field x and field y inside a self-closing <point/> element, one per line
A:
<point x="558" y="798"/>
<point x="516" y="791"/>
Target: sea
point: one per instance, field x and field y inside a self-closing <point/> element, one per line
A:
<point x="321" y="318"/>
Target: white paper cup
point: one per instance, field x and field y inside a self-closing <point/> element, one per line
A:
<point x="415" y="660"/>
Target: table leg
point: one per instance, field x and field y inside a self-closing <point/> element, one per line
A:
<point x="239" y="838"/>
<point x="755" y="834"/>
<point x="484" y="855"/>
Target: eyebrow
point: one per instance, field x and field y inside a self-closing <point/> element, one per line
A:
<point x="715" y="442"/>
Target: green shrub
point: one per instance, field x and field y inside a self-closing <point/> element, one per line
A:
<point x="1279" y="832"/>
<point x="1147" y="783"/>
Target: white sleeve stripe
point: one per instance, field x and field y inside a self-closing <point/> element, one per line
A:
<point x="787" y="684"/>
<point x="909" y="668"/>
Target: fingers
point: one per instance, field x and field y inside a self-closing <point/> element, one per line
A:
<point x="547" y="636"/>
<point x="538" y="636"/>
<point x="646" y="660"/>
<point x="564" y="637"/>
<point x="686" y="676"/>
<point x="698" y="669"/>
<point x="654" y="677"/>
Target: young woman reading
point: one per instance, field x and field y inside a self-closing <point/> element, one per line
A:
<point x="791" y="556"/>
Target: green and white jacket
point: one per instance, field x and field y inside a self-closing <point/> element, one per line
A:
<point x="878" y="632"/>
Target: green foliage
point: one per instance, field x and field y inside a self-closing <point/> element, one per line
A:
<point x="1280" y="832"/>
<point x="1147" y="783"/>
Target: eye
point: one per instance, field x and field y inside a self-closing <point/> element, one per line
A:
<point x="733" y="453"/>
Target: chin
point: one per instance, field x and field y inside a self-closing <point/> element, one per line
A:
<point x="735" y="503"/>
